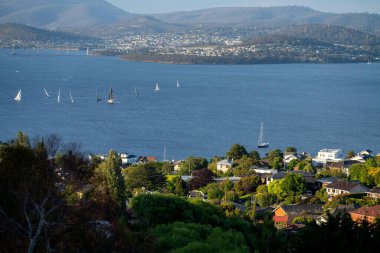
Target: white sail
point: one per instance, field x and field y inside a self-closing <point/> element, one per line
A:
<point x="88" y="51"/>
<point x="136" y="93"/>
<point x="18" y="97"/>
<point x="157" y="87"/>
<point x="110" y="97"/>
<point x="46" y="93"/>
<point x="71" y="97"/>
<point x="59" y="96"/>
<point x="178" y="86"/>
<point x="261" y="143"/>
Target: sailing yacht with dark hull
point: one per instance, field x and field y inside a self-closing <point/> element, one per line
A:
<point x="261" y="143"/>
<point x="111" y="98"/>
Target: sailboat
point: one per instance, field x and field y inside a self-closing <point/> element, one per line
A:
<point x="136" y="93"/>
<point x="13" y="51"/>
<point x="110" y="97"/>
<point x="46" y="93"/>
<point x="59" y="96"/>
<point x="261" y="143"/>
<point x="98" y="98"/>
<point x="157" y="87"/>
<point x="178" y="86"/>
<point x="71" y="97"/>
<point x="18" y="97"/>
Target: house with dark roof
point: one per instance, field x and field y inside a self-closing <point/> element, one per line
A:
<point x="336" y="211"/>
<point x="374" y="193"/>
<point x="339" y="187"/>
<point x="369" y="213"/>
<point x="284" y="215"/>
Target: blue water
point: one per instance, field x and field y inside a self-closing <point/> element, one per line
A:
<point x="303" y="105"/>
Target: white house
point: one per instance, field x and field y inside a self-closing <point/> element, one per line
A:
<point x="127" y="158"/>
<point x="344" y="187"/>
<point x="331" y="155"/>
<point x="224" y="165"/>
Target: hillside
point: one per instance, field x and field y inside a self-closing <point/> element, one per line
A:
<point x="60" y="14"/>
<point x="271" y="16"/>
<point x="321" y="34"/>
<point x="26" y="34"/>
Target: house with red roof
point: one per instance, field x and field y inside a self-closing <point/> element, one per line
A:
<point x="369" y="213"/>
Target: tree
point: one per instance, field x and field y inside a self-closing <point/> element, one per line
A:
<point x="143" y="175"/>
<point x="291" y="150"/>
<point x="200" y="178"/>
<point x="247" y="184"/>
<point x="293" y="163"/>
<point x="274" y="158"/>
<point x="236" y="152"/>
<point x="109" y="182"/>
<point x="177" y="186"/>
<point x="29" y="197"/>
<point x="192" y="163"/>
<point x="255" y="156"/>
<point x="53" y="144"/>
<point x="22" y="139"/>
<point x="350" y="154"/>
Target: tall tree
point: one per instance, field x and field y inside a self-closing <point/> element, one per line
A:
<point x="28" y="196"/>
<point x="109" y="182"/>
<point x="145" y="176"/>
<point x="237" y="151"/>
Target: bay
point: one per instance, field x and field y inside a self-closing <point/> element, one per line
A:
<point x="308" y="106"/>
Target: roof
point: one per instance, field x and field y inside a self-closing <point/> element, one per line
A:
<point x="279" y="175"/>
<point x="343" y="185"/>
<point x="225" y="162"/>
<point x="326" y="180"/>
<point x="375" y="190"/>
<point x="298" y="209"/>
<point x="369" y="211"/>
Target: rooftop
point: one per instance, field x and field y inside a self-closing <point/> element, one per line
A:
<point x="343" y="185"/>
<point x="371" y="211"/>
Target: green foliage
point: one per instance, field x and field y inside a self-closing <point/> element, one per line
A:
<point x="143" y="175"/>
<point x="291" y="150"/>
<point x="247" y="184"/>
<point x="190" y="237"/>
<point x="162" y="209"/>
<point x="274" y="157"/>
<point x="213" y="191"/>
<point x="266" y="199"/>
<point x="303" y="220"/>
<point x="236" y="152"/>
<point x="255" y="156"/>
<point x="244" y="167"/>
<point x="177" y="186"/>
<point x="108" y="180"/>
<point x="290" y="186"/>
<point x="350" y="154"/>
<point x="292" y="164"/>
<point x="193" y="163"/>
<point x="367" y="173"/>
<point x="22" y="139"/>
<point x="322" y="195"/>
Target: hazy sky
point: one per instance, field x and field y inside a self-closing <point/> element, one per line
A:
<point x="155" y="6"/>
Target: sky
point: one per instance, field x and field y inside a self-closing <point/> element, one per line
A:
<point x="158" y="6"/>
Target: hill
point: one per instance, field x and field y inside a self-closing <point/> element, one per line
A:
<point x="271" y="16"/>
<point x="9" y="33"/>
<point x="60" y="14"/>
<point x="320" y="34"/>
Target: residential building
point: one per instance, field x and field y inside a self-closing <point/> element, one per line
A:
<point x="339" y="187"/>
<point x="224" y="165"/>
<point x="145" y="159"/>
<point x="128" y="159"/>
<point x="284" y="215"/>
<point x="324" y="155"/>
<point x="177" y="165"/>
<point x="369" y="213"/>
<point x="374" y="193"/>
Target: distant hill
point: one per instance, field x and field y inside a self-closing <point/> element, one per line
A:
<point x="271" y="16"/>
<point x="27" y="34"/>
<point x="60" y="13"/>
<point x="320" y="34"/>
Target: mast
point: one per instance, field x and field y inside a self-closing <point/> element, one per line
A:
<point x="71" y="97"/>
<point x="136" y="93"/>
<point x="88" y="51"/>
<point x="59" y="96"/>
<point x="261" y="136"/>
<point x="178" y="84"/>
<point x="164" y="153"/>
<point x="110" y="97"/>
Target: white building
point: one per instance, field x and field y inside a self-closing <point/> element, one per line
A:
<point x="325" y="155"/>
<point x="224" y="165"/>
